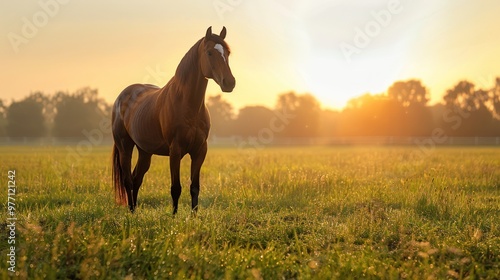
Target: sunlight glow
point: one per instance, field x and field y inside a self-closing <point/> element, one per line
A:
<point x="278" y="46"/>
<point x="334" y="81"/>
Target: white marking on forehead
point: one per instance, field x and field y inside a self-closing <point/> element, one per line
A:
<point x="220" y="48"/>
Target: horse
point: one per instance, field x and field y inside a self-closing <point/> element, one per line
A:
<point x="169" y="121"/>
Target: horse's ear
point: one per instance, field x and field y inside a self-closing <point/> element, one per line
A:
<point x="209" y="33"/>
<point x="223" y="33"/>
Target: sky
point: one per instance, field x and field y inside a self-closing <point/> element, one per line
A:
<point x="335" y="50"/>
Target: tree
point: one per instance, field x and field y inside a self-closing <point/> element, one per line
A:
<point x="304" y="109"/>
<point x="221" y="115"/>
<point x="253" y="119"/>
<point x="412" y="96"/>
<point x="495" y="107"/>
<point x="470" y="106"/>
<point x="328" y="123"/>
<point x="464" y="96"/>
<point x="372" y="115"/>
<point x="78" y="113"/>
<point x="25" y="118"/>
<point x="495" y="98"/>
<point x="3" y="120"/>
<point x="408" y="93"/>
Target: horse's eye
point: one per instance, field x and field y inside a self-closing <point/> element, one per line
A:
<point x="209" y="53"/>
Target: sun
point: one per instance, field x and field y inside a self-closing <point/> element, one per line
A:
<point x="334" y="81"/>
<point x="334" y="76"/>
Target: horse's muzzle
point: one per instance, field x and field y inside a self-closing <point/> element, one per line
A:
<point x="228" y="84"/>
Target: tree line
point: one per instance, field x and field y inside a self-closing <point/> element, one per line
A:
<point x="61" y="115"/>
<point x="402" y="111"/>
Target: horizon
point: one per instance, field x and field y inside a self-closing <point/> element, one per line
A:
<point x="236" y="110"/>
<point x="276" y="48"/>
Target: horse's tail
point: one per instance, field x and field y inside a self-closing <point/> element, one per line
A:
<point x="120" y="191"/>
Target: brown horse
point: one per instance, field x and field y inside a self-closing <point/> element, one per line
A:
<point x="170" y="121"/>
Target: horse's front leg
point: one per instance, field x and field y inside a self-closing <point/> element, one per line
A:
<point x="197" y="160"/>
<point x="175" y="164"/>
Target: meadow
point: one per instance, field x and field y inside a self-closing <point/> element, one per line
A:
<point x="277" y="213"/>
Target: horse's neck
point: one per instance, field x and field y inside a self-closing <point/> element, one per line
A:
<point x="189" y="82"/>
<point x="193" y="89"/>
<point x="192" y="81"/>
<point x="186" y="92"/>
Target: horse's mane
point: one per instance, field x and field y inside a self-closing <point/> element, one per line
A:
<point x="188" y="62"/>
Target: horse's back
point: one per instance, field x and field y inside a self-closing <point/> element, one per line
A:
<point x="129" y="99"/>
<point x="134" y="116"/>
<point x="133" y="92"/>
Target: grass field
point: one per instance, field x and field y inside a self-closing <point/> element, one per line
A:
<point x="280" y="213"/>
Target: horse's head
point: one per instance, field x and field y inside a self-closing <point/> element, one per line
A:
<point x="214" y="59"/>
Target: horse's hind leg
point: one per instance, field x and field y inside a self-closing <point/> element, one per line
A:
<point x="197" y="160"/>
<point x="142" y="166"/>
<point x="125" y="148"/>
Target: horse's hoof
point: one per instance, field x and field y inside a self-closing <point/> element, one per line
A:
<point x="194" y="211"/>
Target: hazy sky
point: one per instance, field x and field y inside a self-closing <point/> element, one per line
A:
<point x="335" y="50"/>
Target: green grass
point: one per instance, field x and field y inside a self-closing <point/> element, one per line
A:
<point x="280" y="213"/>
